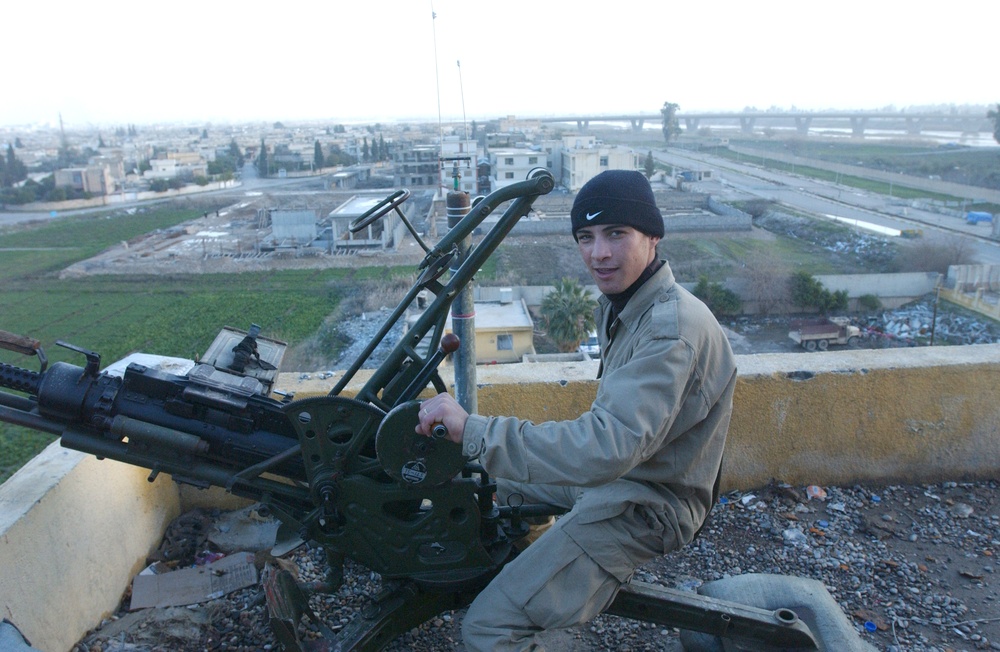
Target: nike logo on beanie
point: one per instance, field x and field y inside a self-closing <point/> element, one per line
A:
<point x="617" y="197"/>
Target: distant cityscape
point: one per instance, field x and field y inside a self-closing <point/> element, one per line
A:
<point x="78" y="168"/>
<point x="129" y="163"/>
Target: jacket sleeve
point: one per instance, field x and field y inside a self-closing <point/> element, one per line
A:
<point x="629" y="421"/>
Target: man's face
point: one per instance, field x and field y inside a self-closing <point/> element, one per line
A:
<point x="615" y="255"/>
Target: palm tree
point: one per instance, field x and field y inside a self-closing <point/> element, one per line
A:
<point x="995" y="117"/>
<point x="568" y="313"/>
<point x="671" y="125"/>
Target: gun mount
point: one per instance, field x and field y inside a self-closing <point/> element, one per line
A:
<point x="347" y="473"/>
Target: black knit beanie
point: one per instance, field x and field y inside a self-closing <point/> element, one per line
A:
<point x="617" y="197"/>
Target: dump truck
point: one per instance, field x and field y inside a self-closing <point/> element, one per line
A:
<point x="812" y="334"/>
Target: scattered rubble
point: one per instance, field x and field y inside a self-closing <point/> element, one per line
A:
<point x="362" y="329"/>
<point x="910" y="325"/>
<point x="870" y="251"/>
<point x="915" y="323"/>
<point x="913" y="567"/>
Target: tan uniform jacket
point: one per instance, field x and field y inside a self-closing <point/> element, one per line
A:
<point x="654" y="435"/>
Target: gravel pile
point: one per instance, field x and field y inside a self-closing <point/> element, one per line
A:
<point x="912" y="564"/>
<point x="362" y="329"/>
<point x="913" y="324"/>
<point x="909" y="325"/>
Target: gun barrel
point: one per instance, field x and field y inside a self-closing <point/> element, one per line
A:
<point x="22" y="380"/>
<point x="26" y="419"/>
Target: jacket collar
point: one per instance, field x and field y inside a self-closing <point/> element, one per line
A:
<point x="660" y="282"/>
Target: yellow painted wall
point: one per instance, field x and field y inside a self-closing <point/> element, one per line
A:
<point x="73" y="532"/>
<point x="486" y="345"/>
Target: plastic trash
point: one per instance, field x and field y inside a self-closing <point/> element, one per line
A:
<point x="795" y="537"/>
<point x="813" y="491"/>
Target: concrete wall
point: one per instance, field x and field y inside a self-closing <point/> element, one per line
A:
<point x="73" y="530"/>
<point x="968" y="278"/>
<point x="119" y="199"/>
<point x="893" y="415"/>
<point x="896" y="415"/>
<point x="976" y="302"/>
<point x="903" y="284"/>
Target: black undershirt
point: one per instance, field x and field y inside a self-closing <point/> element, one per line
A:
<point x="620" y="300"/>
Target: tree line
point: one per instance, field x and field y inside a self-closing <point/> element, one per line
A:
<point x="568" y="310"/>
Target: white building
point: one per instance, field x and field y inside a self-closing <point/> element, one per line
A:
<point x="462" y="156"/>
<point x="512" y="165"/>
<point x="177" y="164"/>
<point x="162" y="168"/>
<point x="584" y="157"/>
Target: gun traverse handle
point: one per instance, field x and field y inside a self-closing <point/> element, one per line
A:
<point x="449" y="344"/>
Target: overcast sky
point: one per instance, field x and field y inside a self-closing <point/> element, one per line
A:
<point x="116" y="62"/>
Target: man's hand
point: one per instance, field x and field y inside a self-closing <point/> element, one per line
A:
<point x="443" y="409"/>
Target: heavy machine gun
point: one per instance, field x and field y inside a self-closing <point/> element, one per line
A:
<point x="348" y="473"/>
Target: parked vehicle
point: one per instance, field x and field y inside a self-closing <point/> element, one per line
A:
<point x="975" y="217"/>
<point x="590" y="345"/>
<point x="812" y="334"/>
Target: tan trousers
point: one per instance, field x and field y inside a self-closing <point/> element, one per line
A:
<point x="556" y="582"/>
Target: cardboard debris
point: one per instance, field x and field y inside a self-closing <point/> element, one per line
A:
<point x="249" y="529"/>
<point x="194" y="585"/>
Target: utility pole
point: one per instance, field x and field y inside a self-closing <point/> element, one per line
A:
<point x="463" y="310"/>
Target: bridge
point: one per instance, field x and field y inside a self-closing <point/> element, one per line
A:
<point x="912" y="123"/>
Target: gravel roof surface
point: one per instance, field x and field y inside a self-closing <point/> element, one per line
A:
<point x="916" y="563"/>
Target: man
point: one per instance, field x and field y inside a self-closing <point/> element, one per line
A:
<point x="638" y="471"/>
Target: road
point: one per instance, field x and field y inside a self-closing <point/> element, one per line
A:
<point x="249" y="183"/>
<point x="739" y="180"/>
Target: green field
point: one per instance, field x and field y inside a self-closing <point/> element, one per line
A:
<point x="117" y="315"/>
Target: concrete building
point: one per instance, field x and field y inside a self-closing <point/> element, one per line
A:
<point x="504" y="328"/>
<point x="351" y="177"/>
<point x="293" y="228"/>
<point x="553" y="149"/>
<point x="462" y="156"/>
<point x="504" y="331"/>
<point x="162" y="168"/>
<point x="384" y="233"/>
<point x="94" y="179"/>
<point x="512" y="165"/>
<point x="177" y="165"/>
<point x="416" y="166"/>
<point x="115" y="164"/>
<point x="584" y="157"/>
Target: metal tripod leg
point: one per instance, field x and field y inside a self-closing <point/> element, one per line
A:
<point x="394" y="612"/>
<point x="759" y="628"/>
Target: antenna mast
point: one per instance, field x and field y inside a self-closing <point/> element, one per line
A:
<point x="461" y="88"/>
<point x="437" y="81"/>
